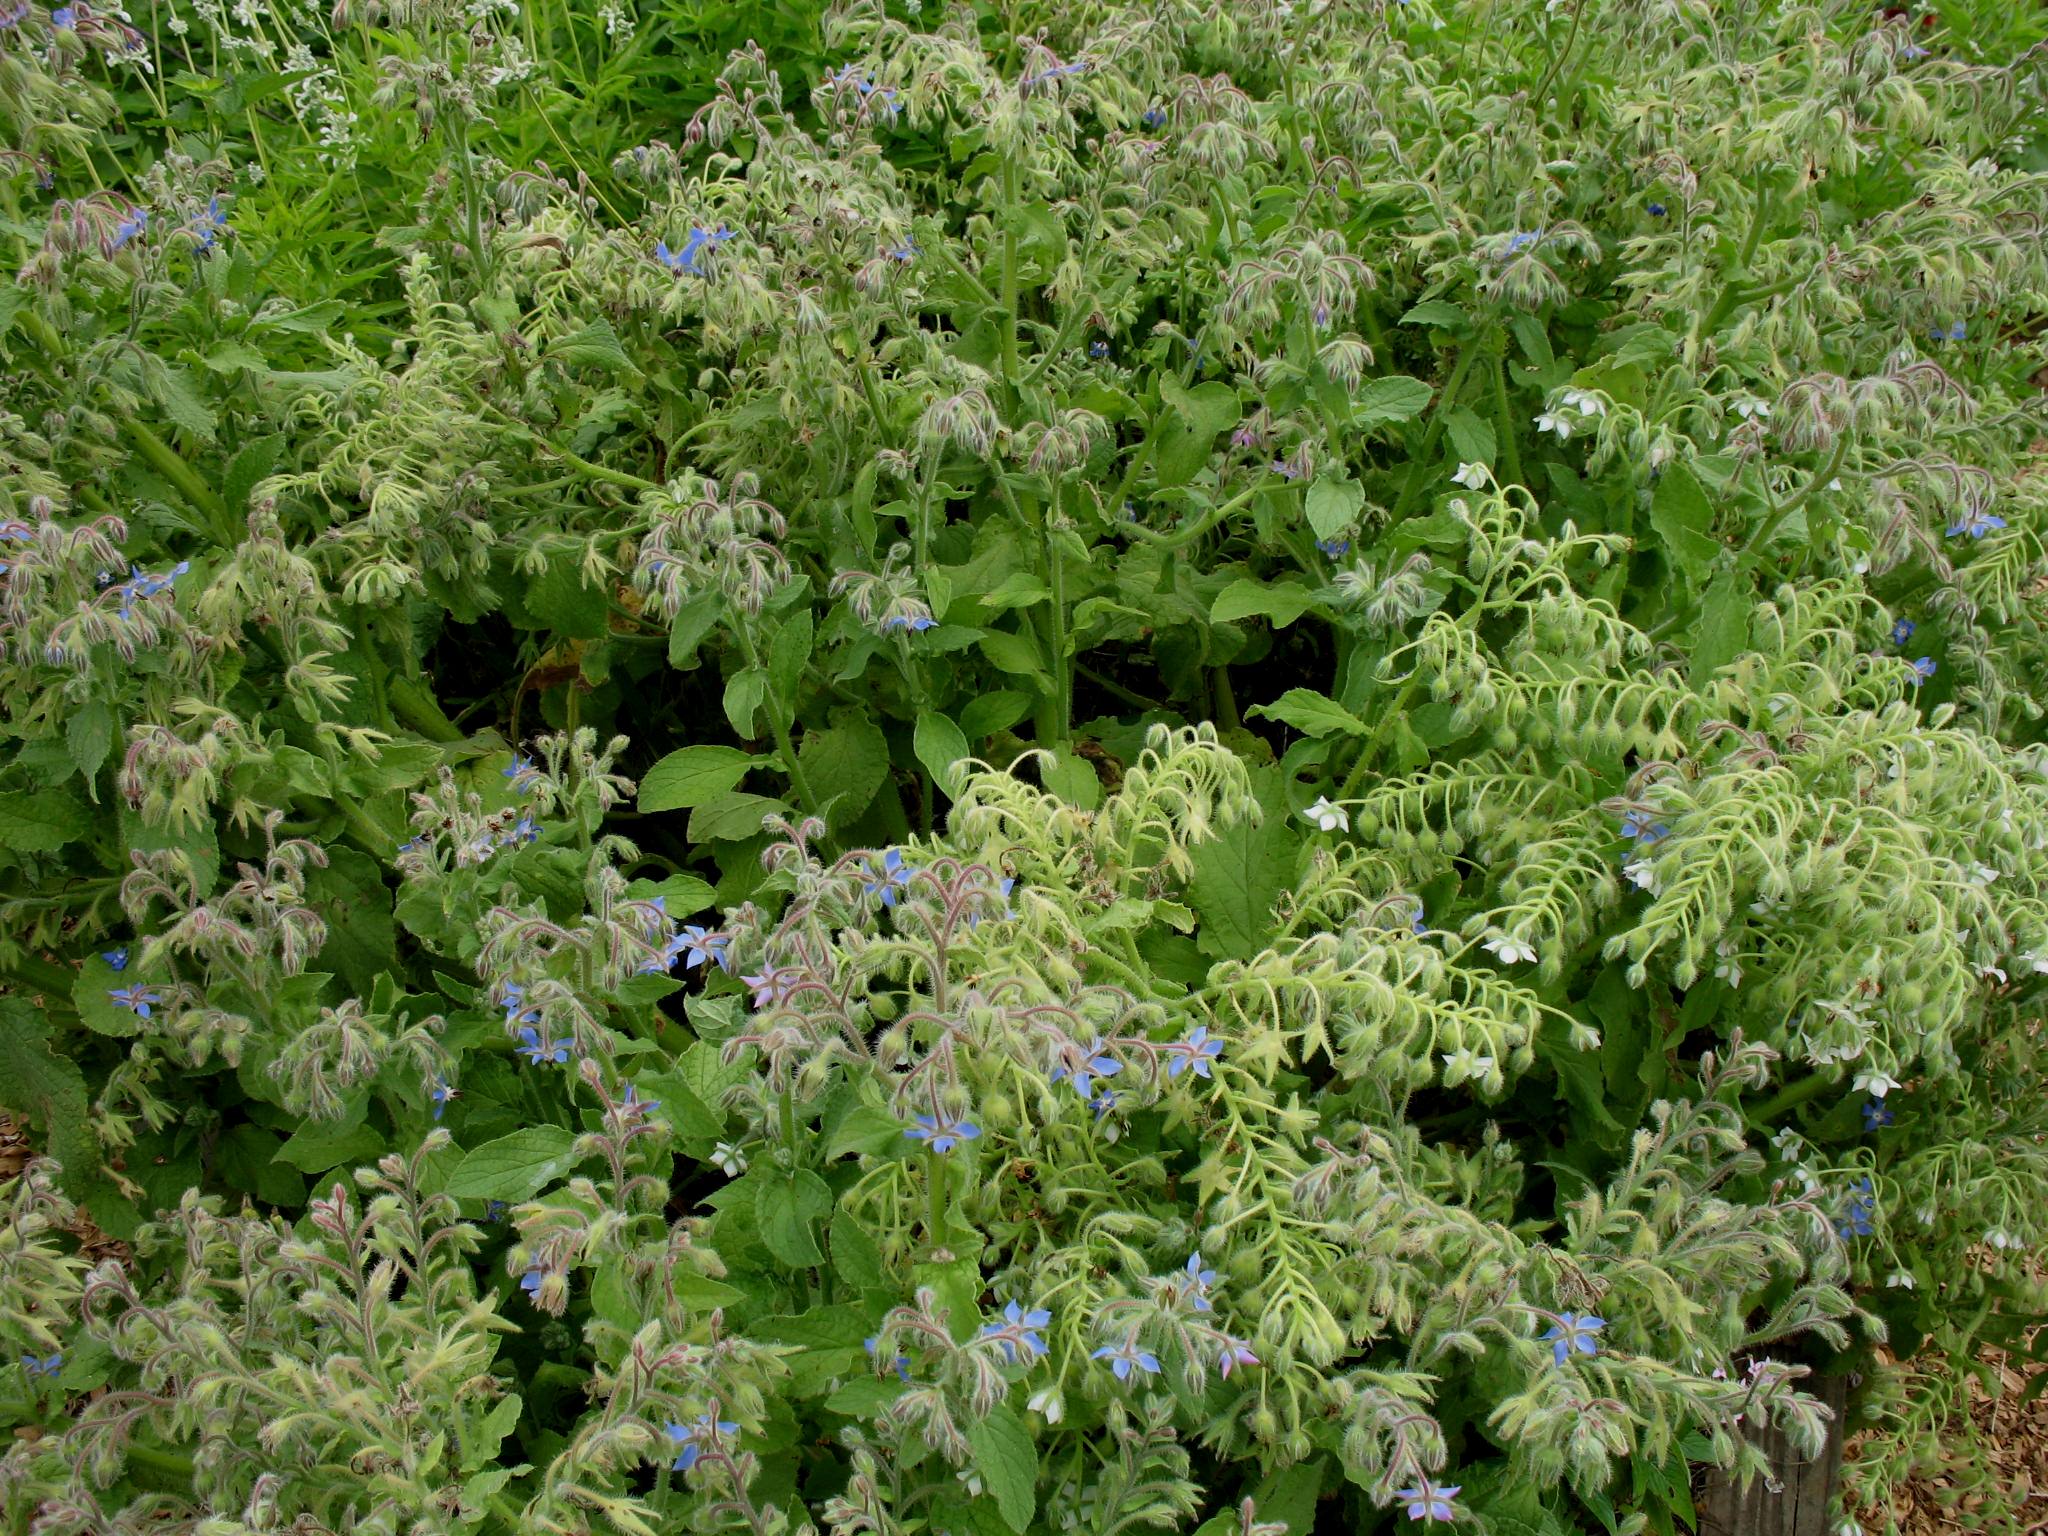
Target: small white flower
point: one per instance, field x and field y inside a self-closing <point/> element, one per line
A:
<point x="1472" y="476"/>
<point x="1992" y="970"/>
<point x="1900" y="1280"/>
<point x="1788" y="1142"/>
<point x="1749" y="408"/>
<point x="1462" y="1064"/>
<point x="1549" y="423"/>
<point x="1642" y="874"/>
<point x="1983" y="874"/>
<point x="972" y="1481"/>
<point x="1875" y="1083"/>
<point x="729" y="1159"/>
<point x="1729" y="967"/>
<point x="1047" y="1400"/>
<point x="1327" y="817"/>
<point x="2038" y="964"/>
<point x="1835" y="485"/>
<point x="1509" y="950"/>
<point x="1998" y="1237"/>
<point x="1587" y="404"/>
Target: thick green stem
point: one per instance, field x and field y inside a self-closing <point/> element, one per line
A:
<point x="779" y="723"/>
<point x="1011" y="381"/>
<point x="1419" y="469"/>
<point x="414" y="705"/>
<point x="165" y="461"/>
<point x="1503" y="423"/>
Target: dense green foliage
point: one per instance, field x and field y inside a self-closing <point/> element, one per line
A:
<point x="1066" y="765"/>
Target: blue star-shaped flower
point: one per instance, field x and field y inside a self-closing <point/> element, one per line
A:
<point x="890" y="878"/>
<point x="1572" y="1334"/>
<point x="537" y="1050"/>
<point x="693" y="1439"/>
<point x="1127" y="1357"/>
<point x="1194" y="1052"/>
<point x="138" y="1000"/>
<point x="940" y="1134"/>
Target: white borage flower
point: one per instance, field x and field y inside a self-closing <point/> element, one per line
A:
<point x="1983" y="874"/>
<point x="1639" y="871"/>
<point x="1472" y="476"/>
<point x="729" y="1159"/>
<point x="1464" y="1064"/>
<point x="1327" y="817"/>
<point x="1549" y="422"/>
<point x="2037" y="963"/>
<point x="1788" y="1141"/>
<point x="1509" y="949"/>
<point x="1998" y="1237"/>
<point x="1875" y="1083"/>
<point x="1729" y="966"/>
<point x="1047" y="1401"/>
<point x="1989" y="971"/>
<point x="1749" y="408"/>
<point x="1584" y="402"/>
<point x="1900" y="1280"/>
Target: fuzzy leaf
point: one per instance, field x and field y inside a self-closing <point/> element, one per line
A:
<point x="845" y="766"/>
<point x="1333" y="505"/>
<point x="1281" y="601"/>
<point x="1396" y="398"/>
<point x="515" y="1167"/>
<point x="1311" y="713"/>
<point x="40" y="821"/>
<point x="1008" y="1464"/>
<point x="692" y="776"/>
<point x="942" y="747"/>
<point x="785" y="1205"/>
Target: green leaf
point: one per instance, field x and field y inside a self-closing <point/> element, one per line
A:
<point x="998" y="710"/>
<point x="942" y="747"/>
<point x="46" y="1091"/>
<point x="40" y="821"/>
<point x="318" y="1146"/>
<point x="1184" y="433"/>
<point x="1723" y="632"/>
<point x="89" y="735"/>
<point x="1008" y="1464"/>
<point x="246" y="1158"/>
<point x="845" y="766"/>
<point x="855" y="1254"/>
<point x="1684" y="520"/>
<point x="691" y="776"/>
<point x="694" y="620"/>
<point x="249" y="468"/>
<point x="864" y="1128"/>
<point x="515" y="1167"/>
<point x="693" y="1119"/>
<point x="1333" y="505"/>
<point x="1438" y="312"/>
<point x="1395" y="398"/>
<point x="744" y="691"/>
<point x="733" y="817"/>
<point x="98" y="1011"/>
<point x="1073" y="778"/>
<point x="1311" y="713"/>
<point x="595" y="346"/>
<point x="1017" y="655"/>
<point x="1238" y="876"/>
<point x="1471" y="435"/>
<point x="785" y="1205"/>
<point x="788" y="655"/>
<point x="1282" y="601"/>
<point x="560" y="600"/>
